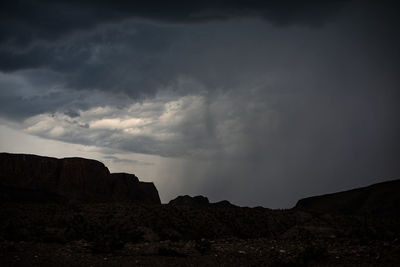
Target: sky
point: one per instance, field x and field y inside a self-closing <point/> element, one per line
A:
<point x="257" y="102"/>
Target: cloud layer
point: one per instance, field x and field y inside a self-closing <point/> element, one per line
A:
<point x="24" y="22"/>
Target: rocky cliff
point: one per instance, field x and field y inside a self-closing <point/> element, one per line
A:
<point x="41" y="179"/>
<point x="127" y="186"/>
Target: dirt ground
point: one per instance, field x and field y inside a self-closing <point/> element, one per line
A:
<point x="134" y="235"/>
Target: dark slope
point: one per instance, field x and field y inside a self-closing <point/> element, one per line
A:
<point x="377" y="199"/>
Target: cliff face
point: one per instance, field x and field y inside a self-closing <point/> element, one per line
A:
<point x="127" y="187"/>
<point x="36" y="178"/>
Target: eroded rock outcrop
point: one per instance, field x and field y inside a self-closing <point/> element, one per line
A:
<point x="127" y="187"/>
<point x="202" y="201"/>
<point x="36" y="178"/>
<point x="190" y="201"/>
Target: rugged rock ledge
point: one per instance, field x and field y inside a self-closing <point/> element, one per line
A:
<point x="32" y="178"/>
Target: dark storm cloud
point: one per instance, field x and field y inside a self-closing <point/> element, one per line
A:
<point x="25" y="21"/>
<point x="31" y="92"/>
<point x="28" y="29"/>
<point x="295" y="145"/>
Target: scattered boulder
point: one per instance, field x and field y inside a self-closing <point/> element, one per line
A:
<point x="32" y="178"/>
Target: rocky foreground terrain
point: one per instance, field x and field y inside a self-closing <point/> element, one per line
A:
<point x="69" y="227"/>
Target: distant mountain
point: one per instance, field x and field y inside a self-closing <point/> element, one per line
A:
<point x="32" y="178"/>
<point x="377" y="199"/>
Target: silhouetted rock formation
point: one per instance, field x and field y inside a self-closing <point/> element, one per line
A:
<point x="127" y="187"/>
<point x="377" y="199"/>
<point x="40" y="179"/>
<point x="199" y="201"/>
<point x="223" y="204"/>
<point x="190" y="201"/>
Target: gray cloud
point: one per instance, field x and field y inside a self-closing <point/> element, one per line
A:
<point x="25" y="21"/>
<point x="129" y="161"/>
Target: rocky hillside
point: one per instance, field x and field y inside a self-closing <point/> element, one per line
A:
<point x="31" y="178"/>
<point x="120" y="234"/>
<point x="381" y="199"/>
<point x="341" y="229"/>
